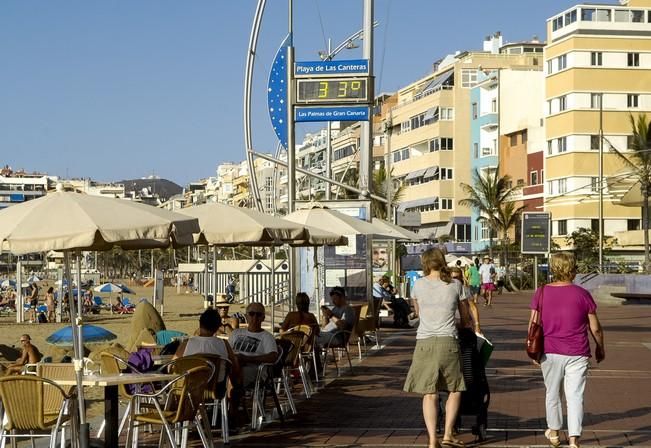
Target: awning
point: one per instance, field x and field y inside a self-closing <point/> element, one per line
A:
<point x="431" y="172"/>
<point x="431" y="113"/>
<point x="443" y="79"/>
<point x="417" y="203"/>
<point x="436" y="230"/>
<point x="415" y="174"/>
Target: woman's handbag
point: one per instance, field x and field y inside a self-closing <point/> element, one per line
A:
<point x="535" y="339"/>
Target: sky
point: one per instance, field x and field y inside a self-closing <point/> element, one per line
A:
<point x="121" y="89"/>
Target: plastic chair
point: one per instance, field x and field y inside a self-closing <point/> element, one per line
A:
<point x="339" y="343"/>
<point x="24" y="400"/>
<point x="216" y="388"/>
<point x="295" y="362"/>
<point x="179" y="402"/>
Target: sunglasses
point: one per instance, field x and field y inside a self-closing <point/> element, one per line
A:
<point x="255" y="314"/>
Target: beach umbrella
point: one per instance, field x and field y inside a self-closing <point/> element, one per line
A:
<point x="335" y="222"/>
<point x="225" y="225"/>
<point x="77" y="222"/>
<point x="126" y="289"/>
<point x="92" y="334"/>
<point x="33" y="279"/>
<point x="399" y="233"/>
<point x="8" y="283"/>
<point x="108" y="288"/>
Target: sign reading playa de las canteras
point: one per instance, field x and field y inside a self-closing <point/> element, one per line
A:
<point x="331" y="68"/>
<point x="536" y="232"/>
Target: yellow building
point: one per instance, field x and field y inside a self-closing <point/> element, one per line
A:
<point x="598" y="58"/>
<point x="431" y="139"/>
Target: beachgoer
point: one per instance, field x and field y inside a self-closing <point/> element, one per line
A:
<point x="436" y="364"/>
<point x="341" y="317"/>
<point x="487" y="272"/>
<point x="474" y="279"/>
<point x="302" y="316"/>
<point x="33" y="301"/>
<point x="253" y="345"/>
<point x="51" y="305"/>
<point x="29" y="355"/>
<point x="206" y="342"/>
<point x="500" y="275"/>
<point x="457" y="275"/>
<point x="568" y="313"/>
<point x="228" y="323"/>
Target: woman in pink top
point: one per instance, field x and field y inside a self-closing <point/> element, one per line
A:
<point x="568" y="312"/>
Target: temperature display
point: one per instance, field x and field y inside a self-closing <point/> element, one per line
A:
<point x="332" y="90"/>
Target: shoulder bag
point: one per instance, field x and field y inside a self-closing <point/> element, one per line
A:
<point x="535" y="339"/>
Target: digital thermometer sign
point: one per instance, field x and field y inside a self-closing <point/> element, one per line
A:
<point x="327" y="91"/>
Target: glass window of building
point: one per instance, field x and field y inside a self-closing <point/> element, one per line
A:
<point x="596" y="58"/>
<point x="562" y="62"/>
<point x="562" y="144"/>
<point x="633" y="59"/>
<point x="533" y="178"/>
<point x="632" y="100"/>
<point x="588" y="14"/>
<point x="570" y="17"/>
<point x="562" y="227"/>
<point x="562" y="103"/>
<point x="468" y="77"/>
<point x="594" y="142"/>
<point x="595" y="100"/>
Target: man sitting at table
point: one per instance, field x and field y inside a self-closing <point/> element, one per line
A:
<point x="228" y="323"/>
<point x="30" y="355"/>
<point x="253" y="345"/>
<point x="341" y="317"/>
<point x="205" y="342"/>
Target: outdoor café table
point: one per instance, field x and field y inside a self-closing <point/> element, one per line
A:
<point x="110" y="384"/>
<point x="159" y="360"/>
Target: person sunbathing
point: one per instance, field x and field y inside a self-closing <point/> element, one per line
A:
<point x="29" y="355"/>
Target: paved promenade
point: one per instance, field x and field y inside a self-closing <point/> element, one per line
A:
<point x="369" y="409"/>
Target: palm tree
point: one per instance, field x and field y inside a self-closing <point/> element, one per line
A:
<point x="639" y="161"/>
<point x="382" y="186"/>
<point x="508" y="216"/>
<point x="488" y="194"/>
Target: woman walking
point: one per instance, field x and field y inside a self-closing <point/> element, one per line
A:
<point x="568" y="312"/>
<point x="436" y="365"/>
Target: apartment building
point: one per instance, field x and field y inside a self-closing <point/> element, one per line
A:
<point x="597" y="68"/>
<point x="432" y="140"/>
<point x="18" y="186"/>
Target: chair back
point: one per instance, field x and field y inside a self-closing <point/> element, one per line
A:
<point x="190" y="393"/>
<point x="22" y="397"/>
<point x="114" y="365"/>
<point x="55" y="372"/>
<point x="308" y="330"/>
<point x="297" y="339"/>
<point x="358" y="312"/>
<point x="214" y="362"/>
<point x="285" y="349"/>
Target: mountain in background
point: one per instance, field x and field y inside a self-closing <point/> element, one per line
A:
<point x="163" y="188"/>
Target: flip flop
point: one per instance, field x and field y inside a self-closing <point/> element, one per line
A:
<point x="453" y="443"/>
<point x="554" y="441"/>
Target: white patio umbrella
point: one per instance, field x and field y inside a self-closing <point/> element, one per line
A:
<point x="398" y="232"/>
<point x="335" y="222"/>
<point x="77" y="222"/>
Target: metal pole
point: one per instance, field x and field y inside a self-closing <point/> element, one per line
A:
<point x="77" y="324"/>
<point x="291" y="145"/>
<point x="388" y="127"/>
<point x="328" y="194"/>
<point x="601" y="183"/>
<point x="205" y="279"/>
<point x="366" y="138"/>
<point x="273" y="288"/>
<point x="20" y="299"/>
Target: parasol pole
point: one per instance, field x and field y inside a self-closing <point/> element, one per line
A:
<point x="77" y="326"/>
<point x="273" y="288"/>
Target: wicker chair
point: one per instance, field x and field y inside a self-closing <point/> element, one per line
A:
<point x="180" y="402"/>
<point x="294" y="361"/>
<point x="28" y="401"/>
<point x="52" y="397"/>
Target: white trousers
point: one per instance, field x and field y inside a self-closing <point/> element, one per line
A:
<point x="572" y="372"/>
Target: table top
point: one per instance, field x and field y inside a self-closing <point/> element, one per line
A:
<point x="161" y="359"/>
<point x="123" y="378"/>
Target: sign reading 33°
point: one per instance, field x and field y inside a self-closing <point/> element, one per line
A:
<point x="322" y="90"/>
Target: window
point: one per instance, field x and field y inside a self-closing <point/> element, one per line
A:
<point x="570" y="17"/>
<point x="562" y="144"/>
<point x="434" y="145"/>
<point x="557" y="23"/>
<point x="588" y="14"/>
<point x="594" y="225"/>
<point x="562" y="186"/>
<point x="417" y="121"/>
<point x="405" y="154"/>
<point x="447" y="113"/>
<point x="595" y="100"/>
<point x="550" y="188"/>
<point x="405" y="126"/>
<point x="468" y="77"/>
<point x="533" y="178"/>
<point x="632" y="224"/>
<point x="603" y="15"/>
<point x="513" y="139"/>
<point x="594" y="142"/>
<point x="632" y="100"/>
<point x="596" y="58"/>
<point x="549" y="107"/>
<point x="542" y="176"/>
<point x="494" y="105"/>
<point x="549" y="147"/>
<point x="446" y="173"/>
<point x="562" y="62"/>
<point x="525" y="136"/>
<point x="633" y="59"/>
<point x="446" y="204"/>
<point x="630" y="140"/>
<point x="447" y="144"/>
<point x="476" y="150"/>
<point x="594" y="184"/>
<point x="474" y="111"/>
<point x="550" y="67"/>
<point x="562" y="226"/>
<point x="562" y="103"/>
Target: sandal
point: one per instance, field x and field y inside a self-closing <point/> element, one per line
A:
<point x="554" y="441"/>
<point x="456" y="443"/>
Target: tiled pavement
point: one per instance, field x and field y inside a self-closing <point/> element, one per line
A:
<point x="369" y="409"/>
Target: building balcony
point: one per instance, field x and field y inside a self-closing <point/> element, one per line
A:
<point x="630" y="239"/>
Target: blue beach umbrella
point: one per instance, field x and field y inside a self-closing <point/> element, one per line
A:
<point x="108" y="288"/>
<point x="8" y="283"/>
<point x="91" y="334"/>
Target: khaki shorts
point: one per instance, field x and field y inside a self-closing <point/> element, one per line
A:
<point x="436" y="366"/>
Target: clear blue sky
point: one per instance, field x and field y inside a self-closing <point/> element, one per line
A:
<point x="114" y="89"/>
